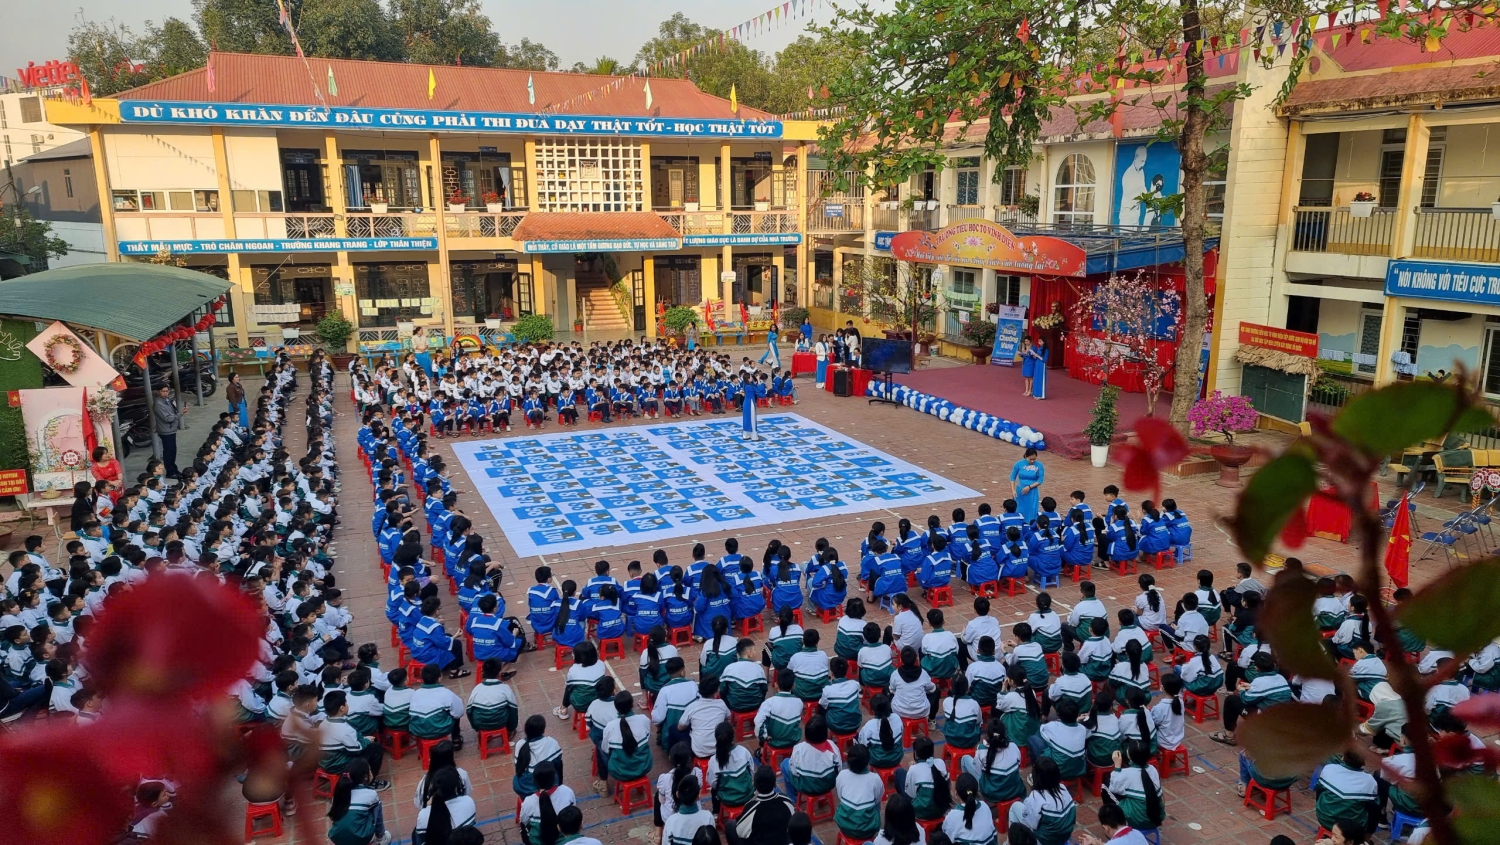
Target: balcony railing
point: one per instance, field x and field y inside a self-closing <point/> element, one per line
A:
<point x="1457" y="234"/>
<point x="885" y="218"/>
<point x="482" y="224"/>
<point x="1009" y="215"/>
<point x="695" y="222"/>
<point x="1336" y="230"/>
<point x="762" y="222"/>
<point x="968" y="212"/>
<point x="923" y="219"/>
<point x="394" y="225"/>
<point x="837" y="215"/>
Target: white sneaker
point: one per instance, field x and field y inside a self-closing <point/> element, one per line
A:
<point x="560" y="712"/>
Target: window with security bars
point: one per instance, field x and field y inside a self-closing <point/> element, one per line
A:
<point x="968" y="181"/>
<point x="589" y="174"/>
<point x="1393" y="150"/>
<point x="1012" y="186"/>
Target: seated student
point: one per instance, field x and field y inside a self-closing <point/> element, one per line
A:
<point x="785" y="639"/>
<point x="1268" y="688"/>
<point x="970" y="821"/>
<point x="927" y="782"/>
<point x="786" y="389"/>
<point x="672" y="701"/>
<point x="1156" y="536"/>
<point x="1150" y="607"/>
<point x="858" y="793"/>
<point x="341" y="744"/>
<point x="1046" y="625"/>
<point x="810" y="665"/>
<point x="849" y="636"/>
<point x="567" y="407"/>
<point x="884" y="735"/>
<point x="1444" y="696"/>
<point x="365" y="708"/>
<point x="778" y="721"/>
<point x="976" y="563"/>
<point x="1123" y="536"/>
<point x="909" y="545"/>
<point x="713" y="599"/>
<point x="597" y="401"/>
<point x="435" y="709"/>
<point x="829" y="581"/>
<point x="990" y="529"/>
<point x="1190" y="624"/>
<point x="550" y="800"/>
<point x="875" y="666"/>
<point x="746" y="590"/>
<point x="677" y="600"/>
<point x="1019" y="706"/>
<point x="1135" y="787"/>
<point x="1027" y="653"/>
<point x="1048" y="812"/>
<point x="1012" y="558"/>
<point x="1132" y="673"/>
<point x="544" y="602"/>
<point x="1079" y="540"/>
<point x="355" y="813"/>
<point x="1202" y="673"/>
<point x="813" y="766"/>
<point x="731" y="770"/>
<point x="492" y="703"/>
<point x="534" y="749"/>
<point x="622" y="400"/>
<point x="1354" y="628"/>
<point x="627" y="742"/>
<point x="939" y="649"/>
<point x="433" y="646"/>
<point x="985" y="674"/>
<point x="1071" y="684"/>
<point x="1080" y="622"/>
<point x="534" y="410"/>
<point x="1347" y="793"/>
<point x="996" y="765"/>
<point x="962" y="716"/>
<point x="1328" y="609"/>
<point x="1066" y="741"/>
<point x="888" y="572"/>
<point x="913" y="694"/>
<point x="839" y="702"/>
<point x="937" y="568"/>
<point x="646" y="400"/>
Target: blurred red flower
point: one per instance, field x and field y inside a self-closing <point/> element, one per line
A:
<point x="1158" y="446"/>
<point x="49" y="791"/>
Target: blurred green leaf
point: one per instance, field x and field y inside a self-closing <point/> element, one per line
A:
<point x="1388" y="420"/>
<point x="1457" y="611"/>
<point x="1287" y="620"/>
<point x="1476" y="803"/>
<point x="1291" y="739"/>
<point x="1275" y="491"/>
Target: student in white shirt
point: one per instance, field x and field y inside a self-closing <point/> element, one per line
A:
<point x="702" y="717"/>
<point x="682" y="826"/>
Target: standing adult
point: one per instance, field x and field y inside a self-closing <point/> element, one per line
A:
<point x="1028" y="365"/>
<point x="419" y="348"/>
<point x="106" y="468"/>
<point x="807" y="330"/>
<point x="168" y="421"/>
<point x="1039" y="352"/>
<point x="234" y="392"/>
<point x="753" y="390"/>
<point x="1026" y="479"/>
<point x="773" y="352"/>
<point x="822" y="350"/>
<point x="692" y="335"/>
<point x="852" y="342"/>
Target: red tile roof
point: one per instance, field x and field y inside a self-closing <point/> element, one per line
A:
<point x="283" y="80"/>
<point x="592" y="226"/>
<point x="1412" y="74"/>
<point x="1354" y="54"/>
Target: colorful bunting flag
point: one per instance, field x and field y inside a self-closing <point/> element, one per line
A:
<point x="210" y="73"/>
<point x="734" y="99"/>
<point x="530" y="90"/>
<point x="333" y="86"/>
<point x="648" y="95"/>
<point x="431" y="83"/>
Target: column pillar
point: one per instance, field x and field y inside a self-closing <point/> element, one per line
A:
<point x="648" y="273"/>
<point x="804" y="249"/>
<point x="1413" y="171"/>
<point x="106" y="195"/>
<point x="226" y="212"/>
<point x="437" y="272"/>
<point x="1392" y="320"/>
<point x="726" y="194"/>
<point x="343" y="269"/>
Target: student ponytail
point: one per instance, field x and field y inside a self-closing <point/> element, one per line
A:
<point x="1202" y="644"/>
<point x="569" y="588"/>
<point x="1172" y="685"/>
<point x="1083" y="527"/>
<point x="1017" y="675"/>
<point x="343" y="790"/>
<point x="1153" y="598"/>
<point x="1044" y="527"/>
<point x="545" y="778"/>
<point x="830" y="560"/>
<point x="623" y="704"/>
<point x="880" y="706"/>
<point x="903" y="529"/>
<point x="996" y="737"/>
<point x="783" y="619"/>
<point x="1103" y="701"/>
<point x="921" y="752"/>
<point x="654" y="642"/>
<point x="536" y="728"/>
<point x="678" y="581"/>
<point x="1139" y="752"/>
<point x="1361" y="607"/>
<point x="1133" y="654"/>
<point x="784" y="570"/>
<point x="968" y="793"/>
<point x="720" y="627"/>
<point x="681" y="758"/>
<point x="1122" y="514"/>
<point x="1137" y="702"/>
<point x="723" y="743"/>
<point x="876" y="529"/>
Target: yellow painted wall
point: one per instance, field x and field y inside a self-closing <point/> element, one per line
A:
<point x="1471" y="167"/>
<point x="175" y="158"/>
<point x="254" y="160"/>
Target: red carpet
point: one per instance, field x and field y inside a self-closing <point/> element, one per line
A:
<point x="997" y="390"/>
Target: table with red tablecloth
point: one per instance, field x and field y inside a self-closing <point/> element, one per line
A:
<point x="859" y="380"/>
<point x="804" y="362"/>
<point x="1327" y="517"/>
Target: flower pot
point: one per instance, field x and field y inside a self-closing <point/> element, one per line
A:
<point x="455" y="208"/>
<point x="341" y="360"/>
<point x="981" y="353"/>
<point x="762" y="206"/>
<point x="1361" y="209"/>
<point x="494" y="207"/>
<point x="690" y="206"/>
<point x="1495" y="210"/>
<point x="1098" y="456"/>
<point x="379" y="207"/>
<point x="1230" y="457"/>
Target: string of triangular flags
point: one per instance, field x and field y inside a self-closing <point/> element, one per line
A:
<point x="286" y="23"/>
<point x="774" y="18"/>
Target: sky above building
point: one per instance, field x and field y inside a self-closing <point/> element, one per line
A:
<point x="576" y="30"/>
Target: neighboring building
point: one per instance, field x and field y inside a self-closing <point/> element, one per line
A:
<point x="602" y="210"/>
<point x="24" y="130"/>
<point x="68" y="200"/>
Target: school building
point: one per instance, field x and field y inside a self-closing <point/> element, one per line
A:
<point x="451" y="197"/>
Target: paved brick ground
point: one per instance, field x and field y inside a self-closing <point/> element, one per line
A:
<point x="1200" y="808"/>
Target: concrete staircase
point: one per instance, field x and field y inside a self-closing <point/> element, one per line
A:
<point x="601" y="310"/>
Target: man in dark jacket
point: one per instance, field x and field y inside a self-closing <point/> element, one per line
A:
<point x="764" y="821"/>
<point x="168" y="421"/>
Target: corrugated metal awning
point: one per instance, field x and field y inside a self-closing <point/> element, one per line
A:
<point x="135" y="301"/>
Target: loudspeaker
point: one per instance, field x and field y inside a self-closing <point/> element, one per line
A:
<point x="843" y="381"/>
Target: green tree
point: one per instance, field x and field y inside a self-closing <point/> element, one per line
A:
<point x="104" y="52"/>
<point x="348" y="29"/>
<point x="714" y="70"/>
<point x="602" y="66"/>
<point x="175" y="47"/>
<point x="25" y="235"/>
<point x="808" y="63"/>
<point x="445" y="32"/>
<point x="245" y="26"/>
<point x="527" y="55"/>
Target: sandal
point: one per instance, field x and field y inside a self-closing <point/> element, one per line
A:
<point x="1239" y="789"/>
<point x="459" y="673"/>
<point x="1222" y="737"/>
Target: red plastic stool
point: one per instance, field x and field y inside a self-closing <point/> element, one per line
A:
<point x="846" y="840"/>
<point x="395" y="742"/>
<point x="581" y="723"/>
<point x="910" y="727"/>
<point x="680" y="636"/>
<point x="1012" y="586"/>
<point x="1273" y="799"/>
<point x="414" y="670"/>
<point x="989" y="589"/>
<point x="323" y="783"/>
<point x="626" y="795"/>
<point x="939" y="596"/>
<point x="819" y="808"/>
<point x="775" y="755"/>
<point x="395" y="637"/>
<point x="843" y="741"/>
<point x="1078" y="572"/>
<point x="744" y="725"/>
<point x="541" y="641"/>
<point x="1154" y="674"/>
<point x="1366" y="710"/>
<point x="424" y="748"/>
<point x="751" y="624"/>
<point x="868" y="693"/>
<point x="931" y="826"/>
<point x="262" y="812"/>
<point x="830" y="614"/>
<point x="1123" y="567"/>
<point x="1202" y="707"/>
<point x="729" y="815"/>
<point x="561" y="655"/>
<point x="809" y="710"/>
<point x="1098" y="774"/>
<point x="888" y="776"/>
<point x="641" y="642"/>
<point x="1054" y="662"/>
<point x="1002" y="812"/>
<point x="1175" y="758"/>
<point x="1162" y="560"/>
<point x="797" y="615"/>
<point x="1076" y="786"/>
<point x="953" y="755"/>
<point x="486" y="737"/>
<point x="612" y="647"/>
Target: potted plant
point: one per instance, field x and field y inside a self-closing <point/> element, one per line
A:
<point x="980" y="335"/>
<point x="1102" y="424"/>
<point x="377" y="206"/>
<point x="457" y="201"/>
<point x="678" y="318"/>
<point x="578" y="325"/>
<point x="1225" y="415"/>
<point x="762" y="205"/>
<point x="1362" y="204"/>
<point x="792" y="318"/>
<point x="1029" y="205"/>
<point x="690" y="206"/>
<point x="492" y="202"/>
<point x="333" y="332"/>
<point x="533" y="328"/>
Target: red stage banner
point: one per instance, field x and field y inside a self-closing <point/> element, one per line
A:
<point x="979" y="243"/>
<point x="1291" y="342"/>
<point x="12" y="482"/>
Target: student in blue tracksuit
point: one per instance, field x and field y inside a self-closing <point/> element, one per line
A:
<point x="1079" y="541"/>
<point x="910" y="546"/>
<point x="672" y="399"/>
<point x="1010" y="515"/>
<point x="990" y="529"/>
<point x="567" y="406"/>
<point x="645" y="399"/>
<point x="978" y="559"/>
<point x="829" y="581"/>
<point x="607" y="613"/>
<point x="597" y="401"/>
<point x="1156" y="535"/>
<point x="889" y="572"/>
<point x="1045" y="549"/>
<point x="967" y="551"/>
<point x="1124" y="537"/>
<point x="677" y="600"/>
<point x="937" y="569"/>
<point x="571" y="628"/>
<point x="645" y="606"/>
<point x="1012" y="555"/>
<point x="713" y="598"/>
<point x="498" y="409"/>
<point x="748" y="589"/>
<point x="543" y="602"/>
<point x="786" y="582"/>
<point x="534" y="409"/>
<point x="1178" y="526"/>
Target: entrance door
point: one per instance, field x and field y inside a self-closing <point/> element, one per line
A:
<point x="302" y="180"/>
<point x="638" y="298"/>
<point x="525" y="304"/>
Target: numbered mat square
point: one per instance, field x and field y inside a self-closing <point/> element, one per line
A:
<point x="576" y="490"/>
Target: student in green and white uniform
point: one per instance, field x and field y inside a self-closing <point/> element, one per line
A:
<point x="578" y="690"/>
<point x="731" y="770"/>
<point x="996" y="764"/>
<point x="671" y="701"/>
<point x="1328" y="609"/>
<point x="1071" y="684"/>
<point x="627" y="741"/>
<point x="1096" y="655"/>
<point x="1209" y="603"/>
<point x="884" y="735"/>
<point x="860" y="793"/>
<point x="356" y="815"/>
<point x="814" y="763"/>
<point x="396" y="709"/>
<point x="785" y="639"/>
<point x="1046" y="625"/>
<point x="1029" y="655"/>
<point x="1445" y="696"/>
<point x="653" y="661"/>
<point x="365" y="708"/>
<point x="435" y="709"/>
<point x="1485" y="665"/>
<point x="342" y="745"/>
<point x="1019" y="707"/>
<point x="1129" y="630"/>
<point x="492" y="704"/>
<point x="986" y="674"/>
<point x="1346" y="792"/>
<point x="1136" y="724"/>
<point x="875" y="665"/>
<point x="569" y="823"/>
<point x="1136" y="788"/>
<point x="1048" y="809"/>
<point x="927" y="782"/>
<point x="1080" y="622"/>
<point x="1066" y="741"/>
<point x="971" y="822"/>
<point x="810" y="665"/>
<point x="551" y="795"/>
<point x="535" y="748"/>
<point x="1369" y="670"/>
<point x="849" y="636"/>
<point x="682" y="827"/>
<point x="1402" y="764"/>
<point x="913" y="694"/>
<point x="742" y="684"/>
<point x="1104" y="729"/>
<point x="1248" y="773"/>
<point x="450" y="808"/>
<point x="963" y="719"/>
<point x="718" y="650"/>
<point x="1132" y="673"/>
<point x="598" y="717"/>
<point x="778" y="722"/>
<point x="939" y="649"/>
<point x="1202" y="674"/>
<point x="840" y="701"/>
<point x="1269" y="688"/>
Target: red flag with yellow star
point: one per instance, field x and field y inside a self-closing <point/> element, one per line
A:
<point x="1398" y="547"/>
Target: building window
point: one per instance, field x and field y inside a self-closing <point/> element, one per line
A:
<point x="31" y="109"/>
<point x="1367" y="353"/>
<point x="387" y="176"/>
<point x="4" y="122"/>
<point x="1491" y="363"/>
<point x="1432" y="175"/>
<point x="36" y="144"/>
<point x="1392" y="153"/>
<point x="391" y="292"/>
<point x="1008" y="290"/>
<point x="483" y="289"/>
<point x="1073" y="196"/>
<point x="1215" y="181"/>
<point x="674" y="181"/>
<point x="1012" y="186"/>
<point x="256" y="202"/>
<point x="594" y="174"/>
<point x="480" y="174"/>
<point x="68" y="182"/>
<point x="292" y="294"/>
<point x="968" y="181"/>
